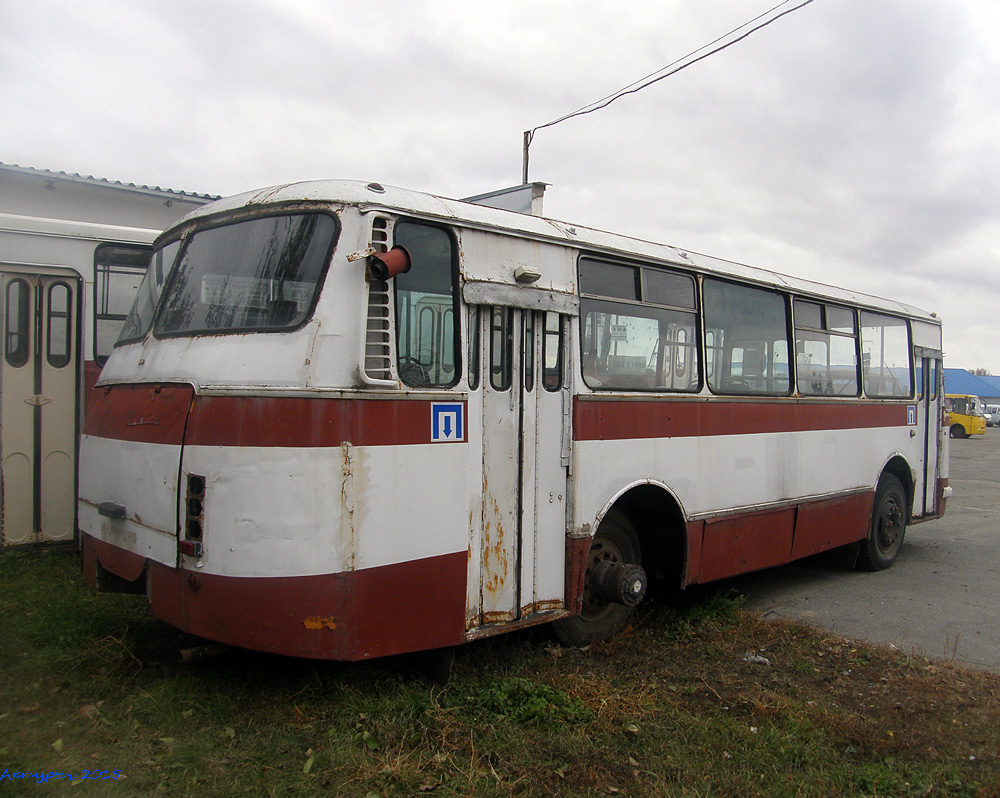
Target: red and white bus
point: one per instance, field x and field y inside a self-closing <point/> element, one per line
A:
<point x="346" y="421"/>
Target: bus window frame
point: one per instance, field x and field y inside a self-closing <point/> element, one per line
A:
<point x="865" y="375"/>
<point x="591" y="303"/>
<point x="458" y="356"/>
<point x="552" y="375"/>
<point x="825" y="330"/>
<point x="61" y="321"/>
<point x="18" y="356"/>
<point x="186" y="240"/>
<point x="722" y="354"/>
<point x="104" y="273"/>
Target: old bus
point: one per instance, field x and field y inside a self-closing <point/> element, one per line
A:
<point x="72" y="253"/>
<point x="345" y="421"/>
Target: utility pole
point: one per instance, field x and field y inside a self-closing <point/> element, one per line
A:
<point x="524" y="157"/>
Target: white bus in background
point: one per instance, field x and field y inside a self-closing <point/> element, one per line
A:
<point x="73" y="251"/>
<point x="992" y="415"/>
<point x="346" y="421"/>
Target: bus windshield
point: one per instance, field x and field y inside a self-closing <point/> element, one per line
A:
<point x="255" y="275"/>
<point x="140" y="318"/>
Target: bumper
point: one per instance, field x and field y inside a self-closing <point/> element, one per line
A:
<point x="355" y="615"/>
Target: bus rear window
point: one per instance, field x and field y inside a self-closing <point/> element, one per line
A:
<point x="256" y="275"/>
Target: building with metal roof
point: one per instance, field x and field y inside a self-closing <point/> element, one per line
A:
<point x="41" y="193"/>
<point x="962" y="381"/>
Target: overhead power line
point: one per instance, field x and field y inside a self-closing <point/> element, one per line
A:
<point x="665" y="72"/>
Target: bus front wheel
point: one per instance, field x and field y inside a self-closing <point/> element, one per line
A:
<point x="888" y="526"/>
<point x="958" y="431"/>
<point x="616" y="543"/>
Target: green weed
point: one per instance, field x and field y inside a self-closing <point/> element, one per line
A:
<point x="672" y="708"/>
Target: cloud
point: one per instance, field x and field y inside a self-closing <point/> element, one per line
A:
<point x="851" y="141"/>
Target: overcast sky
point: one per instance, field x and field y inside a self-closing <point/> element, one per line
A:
<point x="855" y="142"/>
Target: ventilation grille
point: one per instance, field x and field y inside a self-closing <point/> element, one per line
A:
<point x="380" y="234"/>
<point x="378" y="334"/>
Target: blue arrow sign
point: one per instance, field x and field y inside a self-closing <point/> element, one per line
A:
<point x="447" y="422"/>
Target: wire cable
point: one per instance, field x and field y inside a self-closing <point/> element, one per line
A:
<point x="674" y="67"/>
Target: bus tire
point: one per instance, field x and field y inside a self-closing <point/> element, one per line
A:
<point x="888" y="526"/>
<point x="958" y="431"/>
<point x="617" y="541"/>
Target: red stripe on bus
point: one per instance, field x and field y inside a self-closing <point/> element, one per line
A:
<point x="307" y="422"/>
<point x="172" y="414"/>
<point x="141" y="413"/>
<point x="158" y="414"/>
<point x="623" y="419"/>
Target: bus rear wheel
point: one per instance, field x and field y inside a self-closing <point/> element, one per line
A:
<point x="888" y="526"/>
<point x="616" y="543"/>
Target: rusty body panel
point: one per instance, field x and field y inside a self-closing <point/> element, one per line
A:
<point x="348" y="616"/>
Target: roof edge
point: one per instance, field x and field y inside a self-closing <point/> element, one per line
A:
<point x="48" y="174"/>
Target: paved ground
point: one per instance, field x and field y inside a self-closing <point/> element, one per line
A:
<point x="942" y="596"/>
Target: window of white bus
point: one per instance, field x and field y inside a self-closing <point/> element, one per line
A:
<point x="826" y="349"/>
<point x="256" y="275"/>
<point x="639" y="328"/>
<point x="17" y="323"/>
<point x="885" y="347"/>
<point x="552" y="352"/>
<point x="749" y="339"/>
<point x="473" y="365"/>
<point x="427" y="337"/>
<point x="918" y="382"/>
<point x="140" y="318"/>
<point x="59" y="335"/>
<point x="118" y="272"/>
<point x="501" y="348"/>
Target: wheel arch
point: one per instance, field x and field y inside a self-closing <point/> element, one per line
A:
<point x="899" y="468"/>
<point x="659" y="519"/>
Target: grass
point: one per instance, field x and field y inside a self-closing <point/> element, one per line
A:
<point x="698" y="698"/>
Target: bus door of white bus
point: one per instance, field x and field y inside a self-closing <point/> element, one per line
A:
<point x="525" y="411"/>
<point x="930" y="389"/>
<point x="39" y="381"/>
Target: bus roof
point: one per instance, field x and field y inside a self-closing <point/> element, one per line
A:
<point x="376" y="197"/>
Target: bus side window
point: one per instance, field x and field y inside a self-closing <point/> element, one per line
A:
<point x="427" y="340"/>
<point x="751" y="324"/>
<point x="638" y="328"/>
<point x="528" y="347"/>
<point x="885" y="343"/>
<point x="826" y="345"/>
<point x="474" y="347"/>
<point x="118" y="273"/>
<point x="552" y="352"/>
<point x="18" y="323"/>
<point x="501" y="348"/>
<point x="60" y="326"/>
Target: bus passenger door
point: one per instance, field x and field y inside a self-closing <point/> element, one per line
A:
<point x="930" y="390"/>
<point x="524" y="470"/>
<point x="38" y="401"/>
